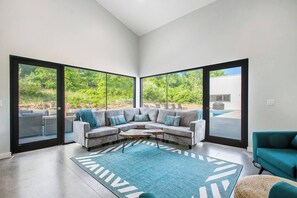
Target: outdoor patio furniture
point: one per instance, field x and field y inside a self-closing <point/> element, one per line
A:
<point x="218" y="106"/>
<point x="179" y="106"/>
<point x="158" y="106"/>
<point x="50" y="125"/>
<point x="30" y="124"/>
<point x="166" y="106"/>
<point x="173" y="106"/>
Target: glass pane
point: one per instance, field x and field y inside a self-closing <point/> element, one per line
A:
<point x="120" y="92"/>
<point x="84" y="89"/>
<point x="185" y="90"/>
<point x="225" y="112"/>
<point x="154" y="92"/>
<point x="37" y="103"/>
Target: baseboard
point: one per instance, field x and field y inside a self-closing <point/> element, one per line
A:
<point x="250" y="149"/>
<point x="5" y="155"/>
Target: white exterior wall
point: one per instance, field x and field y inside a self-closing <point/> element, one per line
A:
<point x="75" y="32"/>
<point x="230" y="84"/>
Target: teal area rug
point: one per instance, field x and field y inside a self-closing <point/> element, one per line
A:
<point x="166" y="172"/>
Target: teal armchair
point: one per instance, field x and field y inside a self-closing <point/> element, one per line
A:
<point x="274" y="152"/>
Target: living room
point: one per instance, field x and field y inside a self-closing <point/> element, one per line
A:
<point x="231" y="62"/>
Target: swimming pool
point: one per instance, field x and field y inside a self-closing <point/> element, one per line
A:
<point x="213" y="113"/>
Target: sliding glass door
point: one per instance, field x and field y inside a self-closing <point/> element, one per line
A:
<point x="225" y="103"/>
<point x="36" y="104"/>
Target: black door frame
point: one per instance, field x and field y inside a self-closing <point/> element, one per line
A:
<point x="14" y="92"/>
<point x="244" y="102"/>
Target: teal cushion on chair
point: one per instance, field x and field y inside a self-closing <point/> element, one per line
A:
<point x="141" y="118"/>
<point x="117" y="120"/>
<point x="294" y="142"/>
<point x="87" y="116"/>
<point x="283" y="189"/>
<point x="147" y="195"/>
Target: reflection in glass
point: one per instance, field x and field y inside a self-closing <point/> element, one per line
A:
<point x="37" y="103"/>
<point x="225" y="103"/>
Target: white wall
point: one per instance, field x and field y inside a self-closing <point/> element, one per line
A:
<point x="264" y="31"/>
<point x="228" y="84"/>
<point x="74" y="32"/>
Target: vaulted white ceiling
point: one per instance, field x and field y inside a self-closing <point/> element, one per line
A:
<point x="144" y="16"/>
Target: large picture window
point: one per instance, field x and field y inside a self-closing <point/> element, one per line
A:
<point x="120" y="92"/>
<point x="180" y="90"/>
<point x="154" y="92"/>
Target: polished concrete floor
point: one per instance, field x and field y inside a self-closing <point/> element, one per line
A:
<point x="50" y="173"/>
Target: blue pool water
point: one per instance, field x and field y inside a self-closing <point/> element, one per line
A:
<point x="213" y="113"/>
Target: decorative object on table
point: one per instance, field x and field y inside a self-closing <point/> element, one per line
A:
<point x="165" y="172"/>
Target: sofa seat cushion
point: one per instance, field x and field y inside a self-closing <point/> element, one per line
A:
<point x="125" y="127"/>
<point x="101" y="131"/>
<point x="154" y="126"/>
<point x="141" y="125"/>
<point x="283" y="159"/>
<point x="179" y="131"/>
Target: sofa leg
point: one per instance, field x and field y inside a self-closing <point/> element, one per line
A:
<point x="261" y="170"/>
<point x="190" y="146"/>
<point x="88" y="149"/>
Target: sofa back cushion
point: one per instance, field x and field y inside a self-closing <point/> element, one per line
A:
<point x="153" y="113"/>
<point x="110" y="113"/>
<point x="163" y="113"/>
<point x="130" y="113"/>
<point x="100" y="117"/>
<point x="279" y="141"/>
<point x="186" y="117"/>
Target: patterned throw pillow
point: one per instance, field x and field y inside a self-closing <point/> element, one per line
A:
<point x="294" y="142"/>
<point x="141" y="118"/>
<point x="117" y="120"/>
<point x="172" y="120"/>
<point x="87" y="116"/>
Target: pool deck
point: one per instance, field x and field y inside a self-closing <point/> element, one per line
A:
<point x="227" y="125"/>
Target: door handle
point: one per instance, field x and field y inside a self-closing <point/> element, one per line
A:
<point x="59" y="108"/>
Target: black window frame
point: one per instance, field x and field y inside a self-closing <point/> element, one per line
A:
<point x="14" y="60"/>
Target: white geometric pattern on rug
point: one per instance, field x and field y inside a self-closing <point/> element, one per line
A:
<point x="130" y="191"/>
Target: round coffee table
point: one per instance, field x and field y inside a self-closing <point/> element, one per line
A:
<point x="139" y="134"/>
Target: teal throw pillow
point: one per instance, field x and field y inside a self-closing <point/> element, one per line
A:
<point x="117" y="120"/>
<point x="141" y="118"/>
<point x="294" y="142"/>
<point x="172" y="120"/>
<point x="87" y="116"/>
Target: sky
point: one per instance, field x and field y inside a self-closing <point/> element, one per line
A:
<point x="235" y="70"/>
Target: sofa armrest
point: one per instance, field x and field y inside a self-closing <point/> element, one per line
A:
<point x="79" y="131"/>
<point x="198" y="127"/>
<point x="283" y="189"/>
<point x="272" y="139"/>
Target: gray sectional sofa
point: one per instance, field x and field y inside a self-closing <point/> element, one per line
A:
<point x="190" y="132"/>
